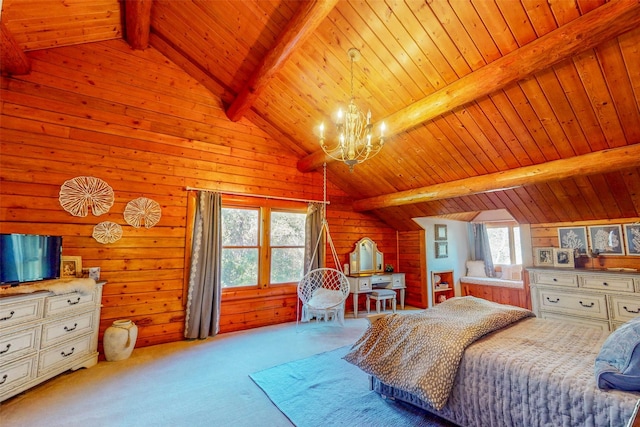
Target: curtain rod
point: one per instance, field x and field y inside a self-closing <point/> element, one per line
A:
<point x="231" y="193"/>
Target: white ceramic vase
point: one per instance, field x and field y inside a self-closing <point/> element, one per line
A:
<point x="119" y="340"/>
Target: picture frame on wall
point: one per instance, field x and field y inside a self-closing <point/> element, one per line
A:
<point x="573" y="238"/>
<point x="543" y="257"/>
<point x="70" y="266"/>
<point x="606" y="239"/>
<point x="563" y="258"/>
<point x="632" y="239"/>
<point x="440" y="231"/>
<point x="442" y="249"/>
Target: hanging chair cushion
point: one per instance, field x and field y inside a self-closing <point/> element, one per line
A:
<point x="325" y="298"/>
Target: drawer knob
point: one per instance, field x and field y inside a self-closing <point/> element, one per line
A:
<point x="631" y="311"/>
<point x="555" y="280"/>
<point x="587" y="305"/>
<point x="63" y="354"/>
<point x="605" y="284"/>
<point x="73" y="302"/>
<point x="4" y="379"/>
<point x="68" y="329"/>
<point x="553" y="301"/>
<point x="9" y="346"/>
<point x="9" y="316"/>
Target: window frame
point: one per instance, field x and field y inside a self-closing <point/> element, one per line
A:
<point x="265" y="208"/>
<point x="510" y="225"/>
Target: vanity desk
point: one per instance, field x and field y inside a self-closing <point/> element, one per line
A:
<point x="364" y="284"/>
<point x="366" y="273"/>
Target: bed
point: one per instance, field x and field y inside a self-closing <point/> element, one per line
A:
<point x="524" y="372"/>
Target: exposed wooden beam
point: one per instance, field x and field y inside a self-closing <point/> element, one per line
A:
<point x="307" y="18"/>
<point x="13" y="60"/>
<point x="138" y="23"/>
<point x="587" y="164"/>
<point x="584" y="33"/>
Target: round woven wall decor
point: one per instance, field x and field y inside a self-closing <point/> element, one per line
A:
<point x="79" y="194"/>
<point x="107" y="232"/>
<point x="142" y="211"/>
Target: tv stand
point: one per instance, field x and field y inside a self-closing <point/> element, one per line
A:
<point x="43" y="335"/>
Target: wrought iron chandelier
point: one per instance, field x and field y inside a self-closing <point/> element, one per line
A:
<point x="355" y="142"/>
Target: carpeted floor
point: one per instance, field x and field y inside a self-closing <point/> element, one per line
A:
<point x="325" y="390"/>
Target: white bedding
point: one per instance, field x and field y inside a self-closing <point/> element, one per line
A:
<point x="538" y="372"/>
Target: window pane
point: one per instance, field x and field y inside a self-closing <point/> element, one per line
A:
<point x="499" y="243"/>
<point x="517" y="245"/>
<point x="287" y="229"/>
<point x="239" y="227"/>
<point x="286" y="265"/>
<point x="239" y="267"/>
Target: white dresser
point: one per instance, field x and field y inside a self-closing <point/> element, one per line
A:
<point x="43" y="335"/>
<point x="603" y="299"/>
<point x="364" y="284"/>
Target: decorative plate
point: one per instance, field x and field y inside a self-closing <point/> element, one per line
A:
<point x="436" y="279"/>
<point x="107" y="232"/>
<point x="142" y="211"/>
<point x="79" y="194"/>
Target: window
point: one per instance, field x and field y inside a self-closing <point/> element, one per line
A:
<point x="504" y="240"/>
<point x="262" y="246"/>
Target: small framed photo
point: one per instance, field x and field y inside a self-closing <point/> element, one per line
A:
<point x="606" y="239"/>
<point x="563" y="258"/>
<point x="440" y="231"/>
<point x="70" y="266"/>
<point x="543" y="257"/>
<point x="94" y="273"/>
<point x="442" y="250"/>
<point x="632" y="239"/>
<point x="573" y="238"/>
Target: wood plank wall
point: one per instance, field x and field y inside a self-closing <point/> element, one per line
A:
<point x="137" y="121"/>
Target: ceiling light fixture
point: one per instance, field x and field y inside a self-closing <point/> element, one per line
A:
<point x="355" y="143"/>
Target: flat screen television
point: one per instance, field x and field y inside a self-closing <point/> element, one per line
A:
<point x="29" y="258"/>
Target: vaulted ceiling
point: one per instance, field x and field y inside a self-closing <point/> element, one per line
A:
<point x="528" y="105"/>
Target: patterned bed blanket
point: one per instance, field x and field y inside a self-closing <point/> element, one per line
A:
<point x="538" y="372"/>
<point x="420" y="353"/>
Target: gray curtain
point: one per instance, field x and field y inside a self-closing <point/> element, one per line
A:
<point x="480" y="249"/>
<point x="313" y="232"/>
<point x="203" y="301"/>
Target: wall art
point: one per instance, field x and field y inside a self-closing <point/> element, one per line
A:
<point x="632" y="239"/>
<point x="573" y="238"/>
<point x="107" y="232"/>
<point x="83" y="193"/>
<point x="142" y="211"/>
<point x="606" y="239"/>
<point x="440" y="231"/>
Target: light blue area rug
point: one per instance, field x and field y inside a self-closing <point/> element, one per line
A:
<point x="324" y="390"/>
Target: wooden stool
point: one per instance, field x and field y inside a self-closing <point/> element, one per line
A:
<point x="381" y="295"/>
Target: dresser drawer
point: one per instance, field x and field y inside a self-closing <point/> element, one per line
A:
<point x="68" y="302"/>
<point x="398" y="281"/>
<point x="17" y="344"/>
<point x="360" y="284"/>
<point x="380" y="279"/>
<point x="16" y="373"/>
<point x="67" y="328"/>
<point x="624" y="308"/>
<point x="557" y="279"/>
<point x="576" y="304"/>
<point x="20" y="312"/>
<point x="63" y="354"/>
<point x="602" y="325"/>
<point x="607" y="283"/>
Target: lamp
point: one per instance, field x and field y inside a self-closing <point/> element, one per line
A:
<point x="355" y="143"/>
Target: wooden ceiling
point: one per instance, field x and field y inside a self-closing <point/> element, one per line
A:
<point x="531" y="106"/>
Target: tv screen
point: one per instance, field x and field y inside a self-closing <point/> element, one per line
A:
<point x="29" y="257"/>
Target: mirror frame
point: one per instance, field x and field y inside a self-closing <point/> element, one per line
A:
<point x="356" y="258"/>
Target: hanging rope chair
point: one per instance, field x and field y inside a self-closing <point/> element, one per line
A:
<point x="323" y="291"/>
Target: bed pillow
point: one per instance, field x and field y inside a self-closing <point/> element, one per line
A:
<point x="476" y="269"/>
<point x="618" y="363"/>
